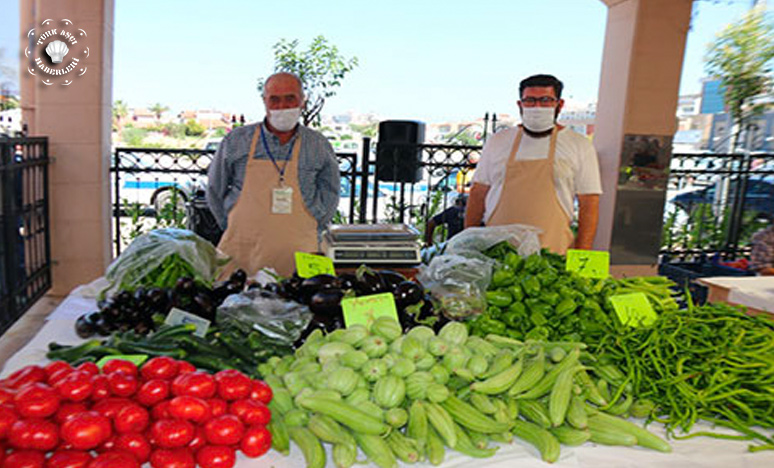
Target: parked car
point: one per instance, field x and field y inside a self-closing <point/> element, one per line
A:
<point x="759" y="197"/>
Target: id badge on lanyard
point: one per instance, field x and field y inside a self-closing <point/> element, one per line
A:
<point x="282" y="200"/>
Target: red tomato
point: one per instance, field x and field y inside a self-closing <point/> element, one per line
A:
<point x="261" y="392"/>
<point x="197" y="384"/>
<point x="34" y="434"/>
<point x="107" y="446"/>
<point x="109" y="407"/>
<point x="152" y="392"/>
<point x="87" y="430"/>
<point x="69" y="459"/>
<point x="122" y="384"/>
<point x="76" y="386"/>
<point x="25" y="459"/>
<point x="177" y="458"/>
<point x="6" y="395"/>
<point x="226" y="429"/>
<point x="256" y="441"/>
<point x="199" y="440"/>
<point x="100" y="387"/>
<point x="114" y="460"/>
<point x="189" y="408"/>
<point x="134" y="443"/>
<point x="56" y="366"/>
<point x="88" y="367"/>
<point x="120" y="365"/>
<point x="68" y="409"/>
<point x="216" y="456"/>
<point x="131" y="418"/>
<point x="36" y="400"/>
<point x="162" y="368"/>
<point x="59" y="375"/>
<point x="172" y="433"/>
<point x="185" y="367"/>
<point x="24" y="376"/>
<point x="217" y="406"/>
<point x="161" y="411"/>
<point x="251" y="412"/>
<point x="7" y="417"/>
<point x="233" y="385"/>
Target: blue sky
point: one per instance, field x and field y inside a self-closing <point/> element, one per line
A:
<point x="428" y="60"/>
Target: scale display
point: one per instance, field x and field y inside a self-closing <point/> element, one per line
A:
<point x="374" y="243"/>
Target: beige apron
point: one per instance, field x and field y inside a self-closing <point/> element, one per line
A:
<point x="529" y="197"/>
<point x="256" y="237"/>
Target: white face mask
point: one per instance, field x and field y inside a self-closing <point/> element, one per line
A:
<point x="538" y="119"/>
<point x="284" y="119"/>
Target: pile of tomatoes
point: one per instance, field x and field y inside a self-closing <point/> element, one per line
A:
<point x="165" y="412"/>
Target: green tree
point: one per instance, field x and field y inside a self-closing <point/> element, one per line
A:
<point x="7" y="83"/>
<point x="320" y="67"/>
<point x="158" y="109"/>
<point x="741" y="58"/>
<point x="367" y="130"/>
<point x="194" y="128"/>
<point x="120" y="110"/>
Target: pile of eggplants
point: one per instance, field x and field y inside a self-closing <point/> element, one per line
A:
<point x="323" y="294"/>
<point x="134" y="310"/>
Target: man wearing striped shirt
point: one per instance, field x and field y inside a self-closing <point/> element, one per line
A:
<point x="274" y="185"/>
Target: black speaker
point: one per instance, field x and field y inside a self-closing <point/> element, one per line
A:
<point x="397" y="155"/>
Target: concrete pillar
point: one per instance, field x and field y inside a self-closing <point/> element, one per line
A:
<point x="76" y="118"/>
<point x="638" y="92"/>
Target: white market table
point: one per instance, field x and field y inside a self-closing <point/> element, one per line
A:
<point x="754" y="292"/>
<point x="698" y="452"/>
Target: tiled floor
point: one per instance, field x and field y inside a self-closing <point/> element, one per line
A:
<point x="26" y="327"/>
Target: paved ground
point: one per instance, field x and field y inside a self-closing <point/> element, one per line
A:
<point x="26" y="327"/>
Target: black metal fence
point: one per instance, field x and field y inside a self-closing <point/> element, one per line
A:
<point x="713" y="204"/>
<point x="25" y="254"/>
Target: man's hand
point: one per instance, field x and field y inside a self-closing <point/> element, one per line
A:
<point x="588" y="216"/>
<point x="474" y="213"/>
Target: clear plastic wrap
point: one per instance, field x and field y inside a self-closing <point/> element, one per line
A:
<point x="458" y="282"/>
<point x="160" y="257"/>
<point x="279" y="321"/>
<point x="459" y="278"/>
<point x="473" y="241"/>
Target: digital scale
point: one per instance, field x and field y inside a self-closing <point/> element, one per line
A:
<point x="380" y="244"/>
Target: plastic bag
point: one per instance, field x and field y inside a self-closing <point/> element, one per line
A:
<point x="473" y="241"/>
<point x="458" y="282"/>
<point x="160" y="257"/>
<point x="279" y="321"/>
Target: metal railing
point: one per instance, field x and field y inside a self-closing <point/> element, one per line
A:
<point x="25" y="252"/>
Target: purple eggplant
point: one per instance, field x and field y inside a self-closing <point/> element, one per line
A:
<point x="391" y="279"/>
<point x="326" y="302"/>
<point x="407" y="293"/>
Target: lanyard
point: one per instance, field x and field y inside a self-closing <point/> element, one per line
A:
<point x="274" y="161"/>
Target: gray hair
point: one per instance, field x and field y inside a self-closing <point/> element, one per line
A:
<point x="285" y="73"/>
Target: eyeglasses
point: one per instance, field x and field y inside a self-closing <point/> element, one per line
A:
<point x="545" y="101"/>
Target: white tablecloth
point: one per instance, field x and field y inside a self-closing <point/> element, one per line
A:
<point x="699" y="452"/>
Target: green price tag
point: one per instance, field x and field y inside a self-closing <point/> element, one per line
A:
<point x="589" y="263"/>
<point x="309" y="265"/>
<point x="634" y="309"/>
<point x="137" y="359"/>
<point x="365" y="309"/>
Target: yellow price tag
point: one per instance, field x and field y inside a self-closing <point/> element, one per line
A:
<point x="365" y="309"/>
<point x="308" y="265"/>
<point x="634" y="309"/>
<point x="137" y="359"/>
<point x="589" y="263"/>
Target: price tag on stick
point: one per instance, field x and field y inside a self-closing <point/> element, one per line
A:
<point x="308" y="265"/>
<point x="634" y="309"/>
<point x="365" y="309"/>
<point x="589" y="263"/>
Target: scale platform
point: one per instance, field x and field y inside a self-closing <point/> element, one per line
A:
<point x="376" y="244"/>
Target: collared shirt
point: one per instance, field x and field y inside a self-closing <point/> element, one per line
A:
<point x="318" y="171"/>
<point x="762" y="249"/>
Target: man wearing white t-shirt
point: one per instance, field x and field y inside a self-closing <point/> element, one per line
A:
<point x="532" y="174"/>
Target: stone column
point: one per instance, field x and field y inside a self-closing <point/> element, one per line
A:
<point x="76" y="118"/>
<point x="638" y="91"/>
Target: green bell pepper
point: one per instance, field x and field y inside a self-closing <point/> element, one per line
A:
<point x="531" y="285"/>
<point x="514" y="260"/>
<point x="516" y="292"/>
<point x="499" y="298"/>
<point x="502" y="276"/>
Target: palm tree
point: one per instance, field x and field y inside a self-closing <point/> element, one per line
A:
<point x="158" y="109"/>
<point x="120" y="110"/>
